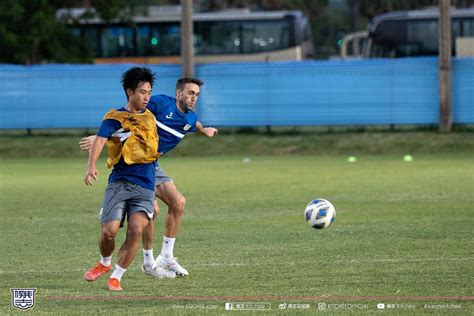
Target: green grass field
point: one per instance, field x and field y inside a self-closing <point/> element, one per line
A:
<point x="403" y="235"/>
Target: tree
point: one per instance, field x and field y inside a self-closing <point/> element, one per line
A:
<point x="31" y="33"/>
<point x="371" y="8"/>
<point x="312" y="8"/>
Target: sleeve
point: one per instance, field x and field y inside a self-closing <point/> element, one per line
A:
<point x="154" y="104"/>
<point x="108" y="127"/>
<point x="193" y="125"/>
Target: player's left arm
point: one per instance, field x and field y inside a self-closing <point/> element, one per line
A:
<point x="206" y="131"/>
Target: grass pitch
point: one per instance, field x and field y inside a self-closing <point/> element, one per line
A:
<point x="403" y="236"/>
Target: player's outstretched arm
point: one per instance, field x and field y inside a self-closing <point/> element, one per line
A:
<point x="86" y="142"/>
<point x="94" y="153"/>
<point x="206" y="131"/>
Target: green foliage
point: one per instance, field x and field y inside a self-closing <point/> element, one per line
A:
<point x="30" y="32"/>
<point x="402" y="230"/>
<point x="330" y="27"/>
<point x="371" y="8"/>
<point x="122" y="10"/>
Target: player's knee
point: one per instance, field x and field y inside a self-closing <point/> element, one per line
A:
<point x="179" y="205"/>
<point x="108" y="233"/>
<point x="156" y="210"/>
<point x="134" y="233"/>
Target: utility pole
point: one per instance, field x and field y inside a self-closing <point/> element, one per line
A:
<point x="187" y="58"/>
<point x="444" y="44"/>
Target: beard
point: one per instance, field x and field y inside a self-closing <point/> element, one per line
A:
<point x="184" y="106"/>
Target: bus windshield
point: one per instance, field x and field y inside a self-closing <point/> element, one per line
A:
<point x="414" y="33"/>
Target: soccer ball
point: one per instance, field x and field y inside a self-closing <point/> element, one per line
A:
<point x="320" y="213"/>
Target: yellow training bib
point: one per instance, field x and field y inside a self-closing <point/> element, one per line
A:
<point x="141" y="138"/>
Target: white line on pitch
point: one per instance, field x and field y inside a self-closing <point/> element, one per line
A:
<point x="243" y="264"/>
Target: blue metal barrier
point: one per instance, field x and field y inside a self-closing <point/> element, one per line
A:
<point x="360" y="92"/>
<point x="463" y="90"/>
<point x="67" y="96"/>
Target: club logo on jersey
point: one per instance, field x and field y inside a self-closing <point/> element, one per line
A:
<point x="23" y="298"/>
<point x="186" y="127"/>
<point x="169" y="116"/>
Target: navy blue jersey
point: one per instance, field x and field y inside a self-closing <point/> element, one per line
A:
<point x="172" y="124"/>
<point x="139" y="174"/>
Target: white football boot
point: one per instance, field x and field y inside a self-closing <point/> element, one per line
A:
<point x="158" y="272"/>
<point x="170" y="264"/>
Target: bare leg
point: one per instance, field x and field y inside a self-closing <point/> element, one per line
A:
<point x="107" y="238"/>
<point x="149" y="232"/>
<point x="106" y="247"/>
<point x="136" y="225"/>
<point x="176" y="202"/>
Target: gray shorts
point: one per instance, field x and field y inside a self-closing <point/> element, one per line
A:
<point x="161" y="176"/>
<point x="124" y="198"/>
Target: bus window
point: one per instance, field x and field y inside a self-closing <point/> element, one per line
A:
<point x="145" y="41"/>
<point x="117" y="41"/>
<point x="237" y="37"/>
<point x="388" y="38"/>
<point x="306" y="30"/>
<point x="169" y="39"/>
<point x="422" y="37"/>
<point x="91" y="36"/>
<point x="467" y="27"/>
<point x="158" y="40"/>
<point x="218" y="38"/>
<point x="405" y="38"/>
<point x="264" y="36"/>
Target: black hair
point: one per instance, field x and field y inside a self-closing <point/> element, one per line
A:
<point x="133" y="77"/>
<point x="183" y="81"/>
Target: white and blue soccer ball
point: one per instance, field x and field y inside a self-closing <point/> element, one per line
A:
<point x="320" y="213"/>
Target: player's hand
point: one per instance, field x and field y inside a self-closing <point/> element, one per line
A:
<point x="86" y="142"/>
<point x="91" y="174"/>
<point x="209" y="131"/>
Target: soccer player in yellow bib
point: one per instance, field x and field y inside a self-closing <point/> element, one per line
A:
<point x="175" y="118"/>
<point x="131" y="135"/>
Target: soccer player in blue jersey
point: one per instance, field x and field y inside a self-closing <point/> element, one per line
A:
<point x="175" y="118"/>
<point x="131" y="136"/>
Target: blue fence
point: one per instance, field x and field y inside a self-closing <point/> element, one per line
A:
<point x="395" y="91"/>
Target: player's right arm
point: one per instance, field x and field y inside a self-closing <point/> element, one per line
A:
<point x="94" y="153"/>
<point x="86" y="142"/>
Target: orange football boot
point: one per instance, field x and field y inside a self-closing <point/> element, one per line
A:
<point x="114" y="284"/>
<point x="96" y="272"/>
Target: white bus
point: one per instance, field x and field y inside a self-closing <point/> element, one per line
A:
<point x="232" y="35"/>
<point x="410" y="33"/>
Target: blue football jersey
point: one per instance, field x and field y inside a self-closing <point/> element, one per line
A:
<point x="172" y="124"/>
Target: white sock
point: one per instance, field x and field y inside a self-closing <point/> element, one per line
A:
<point x="168" y="245"/>
<point x="118" y="272"/>
<point x="148" y="257"/>
<point x="106" y="261"/>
